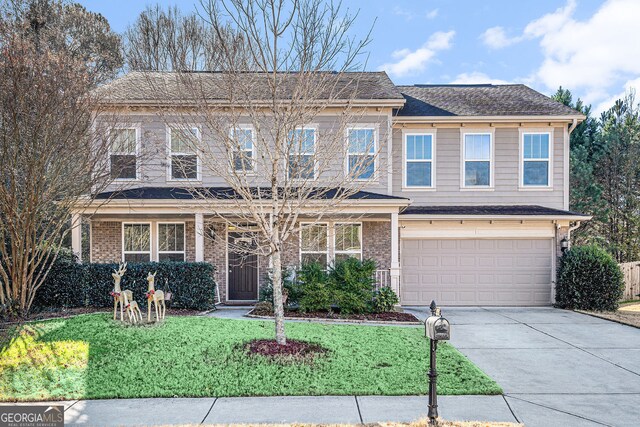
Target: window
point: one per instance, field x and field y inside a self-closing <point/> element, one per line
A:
<point x="536" y="159"/>
<point x="477" y="160"/>
<point x="361" y="153"/>
<point x="183" y="161"/>
<point x="171" y="242"/>
<point x="136" y="242"/>
<point x="302" y="154"/>
<point x="347" y="241"/>
<point x="242" y="158"/>
<point x="313" y="244"/>
<point x="418" y="160"/>
<point x="123" y="155"/>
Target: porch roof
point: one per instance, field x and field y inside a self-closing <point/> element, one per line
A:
<point x="228" y="193"/>
<point x="492" y="211"/>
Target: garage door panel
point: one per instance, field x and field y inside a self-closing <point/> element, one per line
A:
<point x="476" y="271"/>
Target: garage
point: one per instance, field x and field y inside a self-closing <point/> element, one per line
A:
<point x="502" y="272"/>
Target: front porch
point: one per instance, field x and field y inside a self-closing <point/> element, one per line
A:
<point x="200" y="237"/>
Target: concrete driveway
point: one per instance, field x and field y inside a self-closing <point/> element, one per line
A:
<point x="556" y="367"/>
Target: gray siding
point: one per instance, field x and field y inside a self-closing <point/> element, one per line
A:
<point x="153" y="158"/>
<point x="506" y="170"/>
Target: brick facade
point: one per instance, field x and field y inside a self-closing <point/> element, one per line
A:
<point x="106" y="241"/>
<point x="376" y="242"/>
<point x="106" y="238"/>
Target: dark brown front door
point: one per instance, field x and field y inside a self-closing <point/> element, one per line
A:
<point x="243" y="268"/>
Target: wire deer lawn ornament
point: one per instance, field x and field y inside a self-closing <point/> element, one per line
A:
<point x="132" y="308"/>
<point x="117" y="293"/>
<point x="155" y="297"/>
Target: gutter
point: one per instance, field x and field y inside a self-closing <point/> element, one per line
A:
<point x="426" y="217"/>
<point x="481" y="119"/>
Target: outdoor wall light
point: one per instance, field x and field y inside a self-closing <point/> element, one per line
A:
<point x="564" y="245"/>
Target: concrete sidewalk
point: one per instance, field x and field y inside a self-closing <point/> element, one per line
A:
<point x="289" y="409"/>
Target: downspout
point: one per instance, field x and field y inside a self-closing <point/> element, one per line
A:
<point x="573" y="127"/>
<point x="571" y="228"/>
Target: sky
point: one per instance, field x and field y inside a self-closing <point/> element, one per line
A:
<point x="590" y="47"/>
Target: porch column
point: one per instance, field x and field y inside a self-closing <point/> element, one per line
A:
<point x="199" y="237"/>
<point x="394" y="271"/>
<point x="76" y="235"/>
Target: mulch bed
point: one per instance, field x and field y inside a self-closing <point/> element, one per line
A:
<point x="391" y="316"/>
<point x="293" y="349"/>
<point x="625" y="317"/>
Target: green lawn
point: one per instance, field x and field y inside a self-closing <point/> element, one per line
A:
<point x="93" y="357"/>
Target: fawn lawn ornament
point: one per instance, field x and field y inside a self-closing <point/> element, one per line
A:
<point x="117" y="293"/>
<point x="133" y="310"/>
<point x="155" y="297"/>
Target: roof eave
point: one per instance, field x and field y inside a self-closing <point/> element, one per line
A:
<point x="455" y="217"/>
<point x="391" y="103"/>
<point x="494" y="119"/>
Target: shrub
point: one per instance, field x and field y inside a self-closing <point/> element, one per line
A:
<point x="263" y="308"/>
<point x="289" y="285"/>
<point x="353" y="282"/>
<point x="63" y="286"/>
<point x="383" y="300"/>
<point x="588" y="279"/>
<point x="76" y="285"/>
<point x="315" y="291"/>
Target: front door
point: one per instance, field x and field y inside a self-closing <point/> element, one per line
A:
<point x="243" y="268"/>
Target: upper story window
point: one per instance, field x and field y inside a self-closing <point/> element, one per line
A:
<point x="183" y="160"/>
<point x="418" y="170"/>
<point x="361" y="162"/>
<point x="477" y="160"/>
<point x="136" y="242"/>
<point x="314" y="240"/>
<point x="347" y="241"/>
<point x="171" y="238"/>
<point x="536" y="159"/>
<point x="123" y="155"/>
<point x="301" y="162"/>
<point x="243" y="155"/>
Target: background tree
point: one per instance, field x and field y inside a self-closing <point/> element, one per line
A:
<point x="50" y="150"/>
<point x="298" y="53"/>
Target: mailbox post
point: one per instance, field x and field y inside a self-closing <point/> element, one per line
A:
<point x="437" y="328"/>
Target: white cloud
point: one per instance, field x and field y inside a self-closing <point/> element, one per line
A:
<point x="432" y="14"/>
<point x="412" y="61"/>
<point x="629" y="86"/>
<point x="476" y="77"/>
<point x="594" y="56"/>
<point x="406" y="14"/>
<point x="496" y="38"/>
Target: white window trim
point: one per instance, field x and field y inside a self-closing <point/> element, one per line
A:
<point x="337" y="252"/>
<point x="364" y="126"/>
<point x="170" y="153"/>
<point x="137" y="252"/>
<point x="251" y="171"/>
<point x="184" y="236"/>
<point x="406" y="187"/>
<point x="301" y="252"/>
<point x="313" y="127"/>
<point x="137" y="128"/>
<point x="534" y="131"/>
<point x="482" y="131"/>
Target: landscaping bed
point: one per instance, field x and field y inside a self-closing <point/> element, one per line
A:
<point x="626" y="317"/>
<point x="93" y="357"/>
<point x="390" y="316"/>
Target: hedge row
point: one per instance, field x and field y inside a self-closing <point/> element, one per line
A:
<point x="71" y="284"/>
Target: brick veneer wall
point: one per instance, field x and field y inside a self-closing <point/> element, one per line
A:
<point x="376" y="242"/>
<point x="190" y="244"/>
<point x="215" y="252"/>
<point x="106" y="241"/>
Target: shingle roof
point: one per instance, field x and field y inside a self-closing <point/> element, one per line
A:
<point x="170" y="87"/>
<point x="479" y="100"/>
<point x="490" y="210"/>
<point x="220" y="193"/>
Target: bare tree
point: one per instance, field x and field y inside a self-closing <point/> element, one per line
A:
<point x="51" y="154"/>
<point x="258" y="127"/>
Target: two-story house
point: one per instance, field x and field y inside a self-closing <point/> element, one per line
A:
<point x="469" y="205"/>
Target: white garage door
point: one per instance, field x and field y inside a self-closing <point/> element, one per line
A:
<point x="476" y="272"/>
